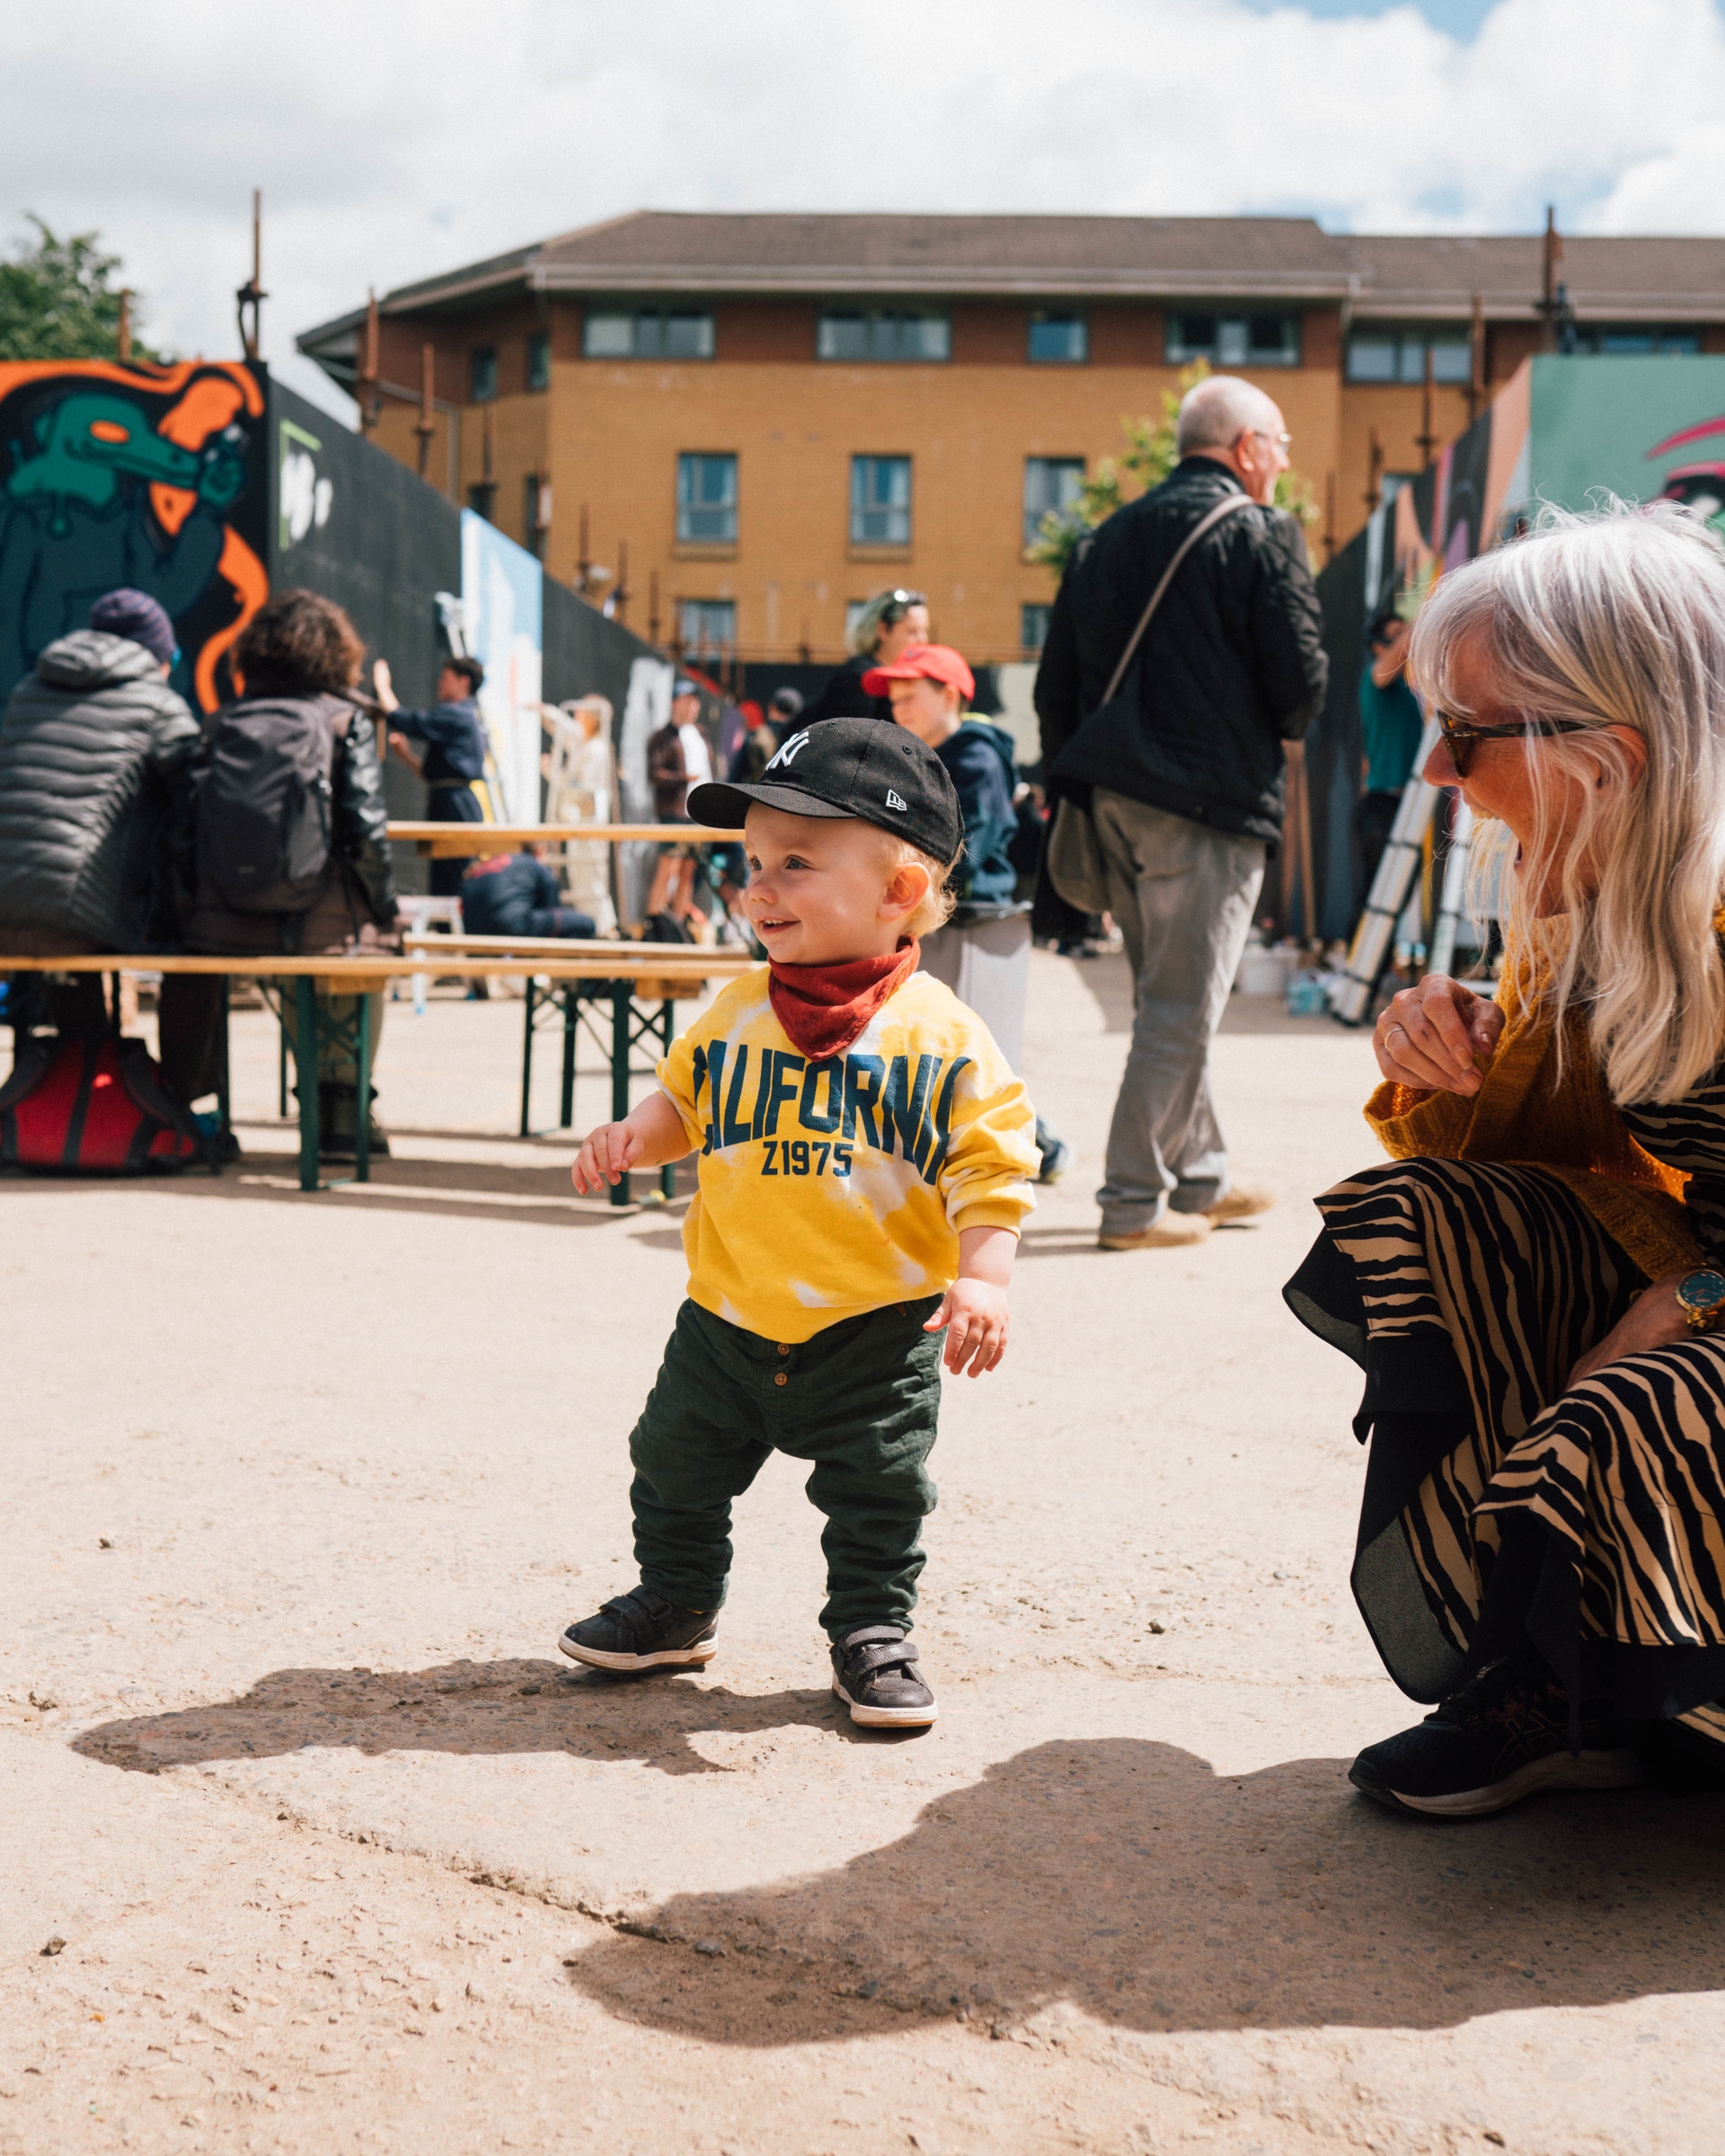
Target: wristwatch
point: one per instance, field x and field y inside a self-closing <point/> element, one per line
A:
<point x="1701" y="1296"/>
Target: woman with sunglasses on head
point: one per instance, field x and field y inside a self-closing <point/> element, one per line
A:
<point x="887" y="626"/>
<point x="1534" y="1284"/>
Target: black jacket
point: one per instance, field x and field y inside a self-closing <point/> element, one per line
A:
<point x="842" y="694"/>
<point x="92" y="748"/>
<point x="1230" y="668"/>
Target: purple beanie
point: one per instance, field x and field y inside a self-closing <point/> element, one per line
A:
<point x="136" y="614"/>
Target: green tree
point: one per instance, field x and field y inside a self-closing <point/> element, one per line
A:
<point x="1148" y="457"/>
<point x="59" y="300"/>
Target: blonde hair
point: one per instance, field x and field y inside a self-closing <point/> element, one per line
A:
<point x="1612" y="619"/>
<point x="935" y="909"/>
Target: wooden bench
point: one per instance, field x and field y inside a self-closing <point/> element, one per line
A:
<point x="568" y="994"/>
<point x="616" y="969"/>
<point x="455" y="841"/>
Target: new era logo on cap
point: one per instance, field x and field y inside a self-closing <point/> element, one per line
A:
<point x="866" y="768"/>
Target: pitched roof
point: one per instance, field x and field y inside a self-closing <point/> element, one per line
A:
<point x="1650" y="279"/>
<point x="896" y="253"/>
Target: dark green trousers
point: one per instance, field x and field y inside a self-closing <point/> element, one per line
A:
<point x="859" y="1401"/>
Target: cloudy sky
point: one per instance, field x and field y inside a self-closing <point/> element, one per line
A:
<point x="393" y="139"/>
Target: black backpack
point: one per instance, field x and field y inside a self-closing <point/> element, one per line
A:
<point x="266" y="808"/>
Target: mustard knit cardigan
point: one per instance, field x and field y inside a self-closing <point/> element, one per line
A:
<point x="1522" y="1114"/>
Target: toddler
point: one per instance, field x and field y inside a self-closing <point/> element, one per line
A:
<point x="864" y="1162"/>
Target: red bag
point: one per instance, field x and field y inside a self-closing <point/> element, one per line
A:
<point x="92" y="1104"/>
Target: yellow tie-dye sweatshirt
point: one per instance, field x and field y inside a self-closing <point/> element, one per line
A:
<point x="831" y="1189"/>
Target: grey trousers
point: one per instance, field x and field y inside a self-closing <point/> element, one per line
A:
<point x="1183" y="896"/>
<point x="986" y="964"/>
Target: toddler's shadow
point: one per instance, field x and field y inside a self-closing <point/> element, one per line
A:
<point x="487" y="1708"/>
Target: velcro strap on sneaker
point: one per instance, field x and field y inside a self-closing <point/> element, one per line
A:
<point x="637" y="1616"/>
<point x="863" y="1661"/>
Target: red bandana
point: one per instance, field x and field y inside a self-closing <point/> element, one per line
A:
<point x="824" y="1008"/>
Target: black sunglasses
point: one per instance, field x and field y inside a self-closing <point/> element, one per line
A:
<point x="1459" y="737"/>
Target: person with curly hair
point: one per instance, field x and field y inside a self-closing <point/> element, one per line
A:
<point x="299" y="661"/>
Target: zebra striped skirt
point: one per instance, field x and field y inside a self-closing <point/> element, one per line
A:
<point x="1501" y="1503"/>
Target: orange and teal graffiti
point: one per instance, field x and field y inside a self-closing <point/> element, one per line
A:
<point x="144" y="476"/>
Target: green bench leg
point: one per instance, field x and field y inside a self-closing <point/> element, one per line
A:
<point x="526" y="1061"/>
<point x="667" y="1026"/>
<point x="571" y="1006"/>
<point x="621" y="993"/>
<point x="362" y="1127"/>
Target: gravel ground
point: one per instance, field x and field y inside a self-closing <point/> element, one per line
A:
<point x="316" y="1844"/>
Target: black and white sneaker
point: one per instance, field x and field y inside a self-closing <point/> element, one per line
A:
<point x="642" y="1630"/>
<point x="875" y="1673"/>
<point x="1054" y="1152"/>
<point x="1500" y="1738"/>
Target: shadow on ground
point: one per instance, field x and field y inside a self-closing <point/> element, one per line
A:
<point x="531" y="1196"/>
<point x="488" y="1708"/>
<point x="1119" y="1875"/>
<point x="1125" y="1877"/>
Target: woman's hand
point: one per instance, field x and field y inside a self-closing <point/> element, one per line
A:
<point x="387" y="700"/>
<point x="1655" y="1319"/>
<point x="1430" y="1034"/>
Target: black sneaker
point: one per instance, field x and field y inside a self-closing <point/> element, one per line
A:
<point x="1498" y="1739"/>
<point x="642" y="1630"/>
<point x="875" y="1673"/>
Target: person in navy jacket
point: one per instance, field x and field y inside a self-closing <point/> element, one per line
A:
<point x="454" y="735"/>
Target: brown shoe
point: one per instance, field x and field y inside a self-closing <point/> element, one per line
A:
<point x="1173" y="1231"/>
<point x="1242" y="1201"/>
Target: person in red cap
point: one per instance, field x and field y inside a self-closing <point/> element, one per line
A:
<point x="983" y="954"/>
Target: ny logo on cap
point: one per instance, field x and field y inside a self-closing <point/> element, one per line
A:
<point x="894" y="802"/>
<point x="788" y="752"/>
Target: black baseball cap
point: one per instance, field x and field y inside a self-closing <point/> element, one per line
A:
<point x="863" y="768"/>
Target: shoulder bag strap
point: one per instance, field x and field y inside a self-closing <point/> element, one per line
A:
<point x="1225" y="508"/>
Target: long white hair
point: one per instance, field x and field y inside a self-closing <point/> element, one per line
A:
<point x="1612" y="618"/>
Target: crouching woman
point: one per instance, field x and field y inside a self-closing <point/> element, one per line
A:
<point x="1534" y="1284"/>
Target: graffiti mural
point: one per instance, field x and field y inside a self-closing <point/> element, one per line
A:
<point x="137" y="475"/>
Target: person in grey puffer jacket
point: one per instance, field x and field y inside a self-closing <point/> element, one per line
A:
<point x="94" y="748"/>
<point x="91" y="746"/>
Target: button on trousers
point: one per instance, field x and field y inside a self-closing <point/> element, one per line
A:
<point x="859" y="1401"/>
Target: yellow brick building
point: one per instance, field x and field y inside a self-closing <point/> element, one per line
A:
<point x="735" y="427"/>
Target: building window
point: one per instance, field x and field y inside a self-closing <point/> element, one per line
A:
<point x="1378" y="355"/>
<point x="1234" y="339"/>
<point x="880" y="335"/>
<point x="1033" y="627"/>
<point x="1621" y="339"/>
<point x="539" y="359"/>
<point x="647" y="333"/>
<point x="706" y="500"/>
<point x="483" y="364"/>
<point x="482" y="498"/>
<point x="1051" y="483"/>
<point x="1059" y="340"/>
<point x="708" y="625"/>
<point x="879" y="501"/>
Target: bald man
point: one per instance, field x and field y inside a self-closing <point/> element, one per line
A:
<point x="1182" y="773"/>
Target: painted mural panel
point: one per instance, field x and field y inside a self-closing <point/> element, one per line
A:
<point x="150" y="476"/>
<point x="502" y="590"/>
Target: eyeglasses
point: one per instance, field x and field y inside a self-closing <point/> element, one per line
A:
<point x="1284" y="442"/>
<point x="907" y="598"/>
<point x="1459" y="737"/>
